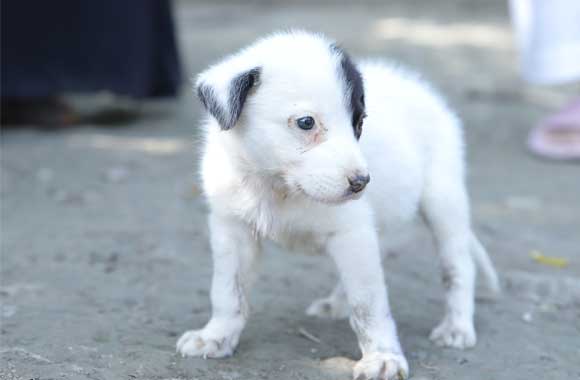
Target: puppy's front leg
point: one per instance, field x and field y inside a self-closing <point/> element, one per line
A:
<point x="357" y="256"/>
<point x="234" y="249"/>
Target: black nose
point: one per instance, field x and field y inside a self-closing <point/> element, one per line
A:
<point x="358" y="182"/>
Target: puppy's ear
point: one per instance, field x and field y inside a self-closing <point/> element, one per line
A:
<point x="223" y="94"/>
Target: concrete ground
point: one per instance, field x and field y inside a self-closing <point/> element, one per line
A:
<point x="104" y="242"/>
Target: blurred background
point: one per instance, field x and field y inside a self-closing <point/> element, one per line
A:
<point x="104" y="253"/>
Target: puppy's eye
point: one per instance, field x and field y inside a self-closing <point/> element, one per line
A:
<point x="306" y="123"/>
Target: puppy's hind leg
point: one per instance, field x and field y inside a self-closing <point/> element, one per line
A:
<point x="234" y="250"/>
<point x="446" y="210"/>
<point x="334" y="306"/>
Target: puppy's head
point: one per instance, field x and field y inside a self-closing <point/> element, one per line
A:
<point x="294" y="104"/>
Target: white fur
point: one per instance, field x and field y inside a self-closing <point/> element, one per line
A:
<point x="267" y="179"/>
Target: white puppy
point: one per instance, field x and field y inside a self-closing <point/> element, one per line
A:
<point x="295" y="133"/>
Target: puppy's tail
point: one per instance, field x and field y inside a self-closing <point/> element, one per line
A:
<point x="485" y="265"/>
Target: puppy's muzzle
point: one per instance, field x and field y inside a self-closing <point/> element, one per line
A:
<point x="358" y="182"/>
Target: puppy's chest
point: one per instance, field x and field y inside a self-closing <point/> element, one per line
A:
<point x="289" y="223"/>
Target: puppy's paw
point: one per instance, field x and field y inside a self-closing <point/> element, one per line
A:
<point x="328" y="308"/>
<point x="381" y="366"/>
<point x="207" y="343"/>
<point x="454" y="334"/>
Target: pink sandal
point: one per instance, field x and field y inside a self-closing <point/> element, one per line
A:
<point x="558" y="136"/>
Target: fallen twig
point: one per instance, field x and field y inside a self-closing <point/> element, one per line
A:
<point x="302" y="331"/>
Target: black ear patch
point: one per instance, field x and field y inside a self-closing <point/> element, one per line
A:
<point x="239" y="89"/>
<point x="355" y="88"/>
<point x="228" y="114"/>
<point x="209" y="100"/>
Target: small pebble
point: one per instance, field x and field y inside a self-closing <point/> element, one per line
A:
<point x="44" y="175"/>
<point x="60" y="195"/>
<point x="116" y="174"/>
<point x="8" y="311"/>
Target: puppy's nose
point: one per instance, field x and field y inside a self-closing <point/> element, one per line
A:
<point x="358" y="182"/>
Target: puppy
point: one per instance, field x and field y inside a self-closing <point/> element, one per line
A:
<point x="308" y="149"/>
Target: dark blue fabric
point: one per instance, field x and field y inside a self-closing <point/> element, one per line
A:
<point x="51" y="47"/>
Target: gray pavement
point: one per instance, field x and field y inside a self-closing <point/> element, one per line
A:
<point x="104" y="252"/>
